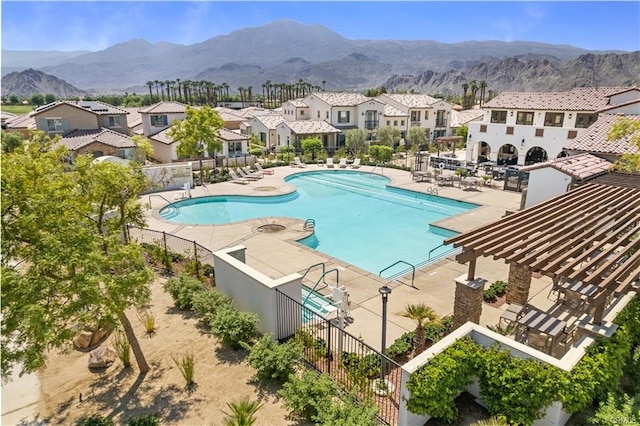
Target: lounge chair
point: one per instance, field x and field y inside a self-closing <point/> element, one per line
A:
<point x="252" y="173"/>
<point x="343" y="163"/>
<point x="264" y="171"/>
<point x="298" y="163"/>
<point x="244" y="174"/>
<point x="330" y="162"/>
<point x="355" y="164"/>
<point x="236" y="179"/>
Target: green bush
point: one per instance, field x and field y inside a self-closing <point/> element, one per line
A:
<point x="234" y="327"/>
<point x="357" y="367"/>
<point x="308" y="393"/>
<point x="274" y="361"/>
<point x="313" y="348"/>
<point x="208" y="302"/>
<point x="500" y="287"/>
<point x="348" y="412"/>
<point x="623" y="410"/>
<point x="187" y="366"/>
<point x="94" y="420"/>
<point x="182" y="289"/>
<point x="402" y="346"/>
<point x="489" y="295"/>
<point x="144" y="420"/>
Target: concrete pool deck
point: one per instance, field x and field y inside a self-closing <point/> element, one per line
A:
<point x="277" y="254"/>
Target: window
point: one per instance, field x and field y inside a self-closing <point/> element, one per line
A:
<point x="159" y="120"/>
<point x="343" y="116"/>
<point x="301" y="112"/>
<point x="415" y="115"/>
<point x="402" y="122"/>
<point x="509" y="130"/>
<point x="525" y="118"/>
<point x="318" y="114"/>
<point x="483" y="128"/>
<point x="572" y="134"/>
<point x="553" y="119"/>
<point x="439" y="133"/>
<point x="388" y="122"/>
<point x="54" y="124"/>
<point x="441" y="120"/>
<point x="585" y="120"/>
<point x="263" y="137"/>
<point x="235" y="149"/>
<point x="114" y="121"/>
<point x="539" y="133"/>
<point x="498" y="116"/>
<point x="395" y="122"/>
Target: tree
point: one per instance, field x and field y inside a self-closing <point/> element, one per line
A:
<point x="380" y="153"/>
<point x="197" y="133"/>
<point x="417" y="136"/>
<point x="66" y="259"/>
<point x="312" y="144"/>
<point x="49" y="98"/>
<point x="10" y="141"/>
<point x="355" y="141"/>
<point x="421" y="314"/>
<point x="462" y="131"/>
<point x="144" y="150"/>
<point x="388" y="135"/>
<point x="627" y="129"/>
<point x="37" y="99"/>
<point x="13" y="100"/>
<point x="483" y="88"/>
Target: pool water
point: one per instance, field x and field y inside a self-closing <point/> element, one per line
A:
<point x="317" y="303"/>
<point x="358" y="219"/>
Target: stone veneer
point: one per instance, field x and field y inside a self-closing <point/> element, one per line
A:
<point x="519" y="284"/>
<point x="467" y="305"/>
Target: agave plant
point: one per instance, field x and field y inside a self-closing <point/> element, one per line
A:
<point x="504" y="329"/>
<point x="242" y="412"/>
<point x="491" y="421"/>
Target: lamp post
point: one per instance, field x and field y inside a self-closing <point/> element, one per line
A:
<point x="288" y="151"/>
<point x="200" y="154"/>
<point x="384" y="292"/>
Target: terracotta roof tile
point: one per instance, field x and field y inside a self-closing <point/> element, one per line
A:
<point x="165" y="108"/>
<point x="81" y="138"/>
<point x="581" y="166"/>
<point x="163" y="137"/>
<point x="341" y="98"/>
<point x="413" y="100"/>
<point x="270" y="121"/>
<point x="595" y="138"/>
<point x="579" y="99"/>
<point x="310" y="127"/>
<point x="460" y="118"/>
<point x="96" y="107"/>
<point x="25" y="121"/>
<point x="390" y="111"/>
<point x="228" y="135"/>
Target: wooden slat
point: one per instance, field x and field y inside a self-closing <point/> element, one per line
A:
<point x="629" y="266"/>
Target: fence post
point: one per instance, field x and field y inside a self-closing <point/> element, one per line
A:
<point x="166" y="251"/>
<point x="195" y="256"/>
<point x="329" y="354"/>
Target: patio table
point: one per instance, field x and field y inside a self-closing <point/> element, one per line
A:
<point x="579" y="287"/>
<point x="542" y="322"/>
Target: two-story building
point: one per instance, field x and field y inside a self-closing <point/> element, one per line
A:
<point x="157" y="117"/>
<point x="291" y="133"/>
<point x="59" y="118"/>
<point x="423" y="111"/>
<point x="529" y="127"/>
<point x="264" y="127"/>
<point x="99" y="142"/>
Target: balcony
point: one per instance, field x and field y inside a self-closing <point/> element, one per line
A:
<point x="441" y="123"/>
<point x="416" y="123"/>
<point x="371" y="124"/>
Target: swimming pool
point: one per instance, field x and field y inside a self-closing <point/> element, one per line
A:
<point x="359" y="219"/>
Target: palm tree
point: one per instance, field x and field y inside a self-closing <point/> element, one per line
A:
<point x="157" y="82"/>
<point x="483" y="86"/>
<point x="473" y="86"/>
<point x="162" y="89"/>
<point x="225" y="86"/>
<point x="242" y="412"/>
<point x="323" y="82"/>
<point x="422" y="315"/>
<point x="179" y="89"/>
<point x="150" y="84"/>
<point x="491" y="421"/>
<point x="465" y="88"/>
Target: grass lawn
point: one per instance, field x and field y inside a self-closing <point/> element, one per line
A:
<point x="17" y="109"/>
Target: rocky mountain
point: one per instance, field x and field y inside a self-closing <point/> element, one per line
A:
<point x="29" y="82"/>
<point x="287" y="51"/>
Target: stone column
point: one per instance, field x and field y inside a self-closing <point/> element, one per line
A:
<point x="467" y="305"/>
<point x="519" y="284"/>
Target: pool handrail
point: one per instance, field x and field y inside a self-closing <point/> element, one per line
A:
<point x="322" y="279"/>
<point x="413" y="270"/>
<point x="169" y="203"/>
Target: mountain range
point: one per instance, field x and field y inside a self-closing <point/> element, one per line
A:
<point x="287" y="51"/>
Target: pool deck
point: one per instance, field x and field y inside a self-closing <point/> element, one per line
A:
<point x="278" y="254"/>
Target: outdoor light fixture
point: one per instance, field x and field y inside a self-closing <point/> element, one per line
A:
<point x="522" y="143"/>
<point x="511" y="113"/>
<point x="384" y="292"/>
<point x="570" y="115"/>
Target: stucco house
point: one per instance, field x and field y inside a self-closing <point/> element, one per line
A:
<point x="396" y="119"/>
<point x="158" y="117"/>
<point x="59" y="118"/>
<point x="264" y="127"/>
<point x="99" y="142"/>
<point x="292" y="132"/>
<point x="529" y="127"/>
<point x="22" y="124"/>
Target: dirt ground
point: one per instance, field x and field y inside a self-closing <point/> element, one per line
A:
<point x="71" y="391"/>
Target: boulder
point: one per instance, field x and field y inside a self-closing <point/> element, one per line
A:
<point x="83" y="340"/>
<point x="98" y="335"/>
<point x="102" y="357"/>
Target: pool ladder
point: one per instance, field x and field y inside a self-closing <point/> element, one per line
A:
<point x="309" y="225"/>
<point x="393" y="277"/>
<point x="324" y="274"/>
<point x="432" y="190"/>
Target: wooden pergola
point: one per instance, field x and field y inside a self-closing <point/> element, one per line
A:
<point x="590" y="234"/>
<point x="442" y="140"/>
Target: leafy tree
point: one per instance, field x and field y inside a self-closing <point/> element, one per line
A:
<point x="144" y="150"/>
<point x="313" y="144"/>
<point x="37" y="99"/>
<point x="198" y="133"/>
<point x="618" y="410"/>
<point x="462" y="131"/>
<point x="355" y="141"/>
<point x="381" y="153"/>
<point x="387" y="135"/>
<point x="65" y="261"/>
<point x="256" y="146"/>
<point x="10" y="141"/>
<point x="422" y="315"/>
<point x="417" y="136"/>
<point x="49" y="98"/>
<point x="13" y="100"/>
<point x="625" y="128"/>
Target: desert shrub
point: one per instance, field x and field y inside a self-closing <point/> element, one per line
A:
<point x="193" y="268"/>
<point x="314" y="348"/>
<point x="357" y="367"/>
<point x="187" y="366"/>
<point x="274" y="361"/>
<point x="207" y="270"/>
<point x="207" y="303"/>
<point x="123" y="348"/>
<point x="308" y="393"/>
<point x="182" y="289"/>
<point x="234" y="327"/>
<point x="148" y="321"/>
<point x="144" y="420"/>
<point x="347" y="412"/>
<point x="495" y="290"/>
<point x="242" y="412"/>
<point x="94" y="420"/>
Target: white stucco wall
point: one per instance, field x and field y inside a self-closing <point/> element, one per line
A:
<point x="546" y="183"/>
<point x="149" y="130"/>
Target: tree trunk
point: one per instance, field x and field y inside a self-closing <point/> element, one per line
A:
<point x="133" y="341"/>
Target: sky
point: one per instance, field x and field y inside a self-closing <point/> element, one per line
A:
<point x="96" y="25"/>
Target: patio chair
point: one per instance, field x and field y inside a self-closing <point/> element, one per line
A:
<point x="574" y="301"/>
<point x="343" y="163"/>
<point x="249" y="172"/>
<point x="330" y="162"/>
<point x="298" y="163"/>
<point x="539" y="341"/>
<point x="236" y="179"/>
<point x="356" y="163"/>
<point x="263" y="171"/>
<point x="244" y="174"/>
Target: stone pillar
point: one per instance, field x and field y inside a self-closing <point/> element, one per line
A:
<point x="467" y="305"/>
<point x="519" y="284"/>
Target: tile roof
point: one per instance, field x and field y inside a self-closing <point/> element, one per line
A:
<point x="134" y="119"/>
<point x="579" y="99"/>
<point x="270" y="121"/>
<point x="341" y="99"/>
<point x="81" y="138"/>
<point x="620" y="105"/>
<point x="580" y="167"/>
<point x="165" y="108"/>
<point x="413" y="101"/>
<point x="230" y="116"/>
<point x="310" y="127"/>
<point x="228" y="135"/>
<point x="594" y="139"/>
<point x="5" y="115"/>
<point x="25" y="121"/>
<point x="298" y="103"/>
<point x="251" y="112"/>
<point x="390" y="111"/>
<point x="163" y="137"/>
<point x="96" y="107"/>
<point x="460" y="118"/>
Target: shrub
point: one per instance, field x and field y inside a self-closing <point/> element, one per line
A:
<point x="207" y="303"/>
<point x="272" y="360"/>
<point x="495" y="290"/>
<point x="618" y="410"/>
<point x="123" y="348"/>
<point x="402" y="346"/>
<point x="186" y="365"/>
<point x="489" y="295"/>
<point x="313" y="348"/>
<point x="347" y="412"/>
<point x="367" y="366"/>
<point x="308" y="393"/>
<point x="94" y="420"/>
<point x="144" y="420"/>
<point x="234" y="327"/>
<point x="182" y="289"/>
<point x="148" y="320"/>
<point x="243" y="412"/>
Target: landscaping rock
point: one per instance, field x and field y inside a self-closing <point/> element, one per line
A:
<point x="83" y="340"/>
<point x="102" y="357"/>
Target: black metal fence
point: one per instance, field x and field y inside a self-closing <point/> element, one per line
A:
<point x="355" y="366"/>
<point x="515" y="180"/>
<point x="171" y="244"/>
